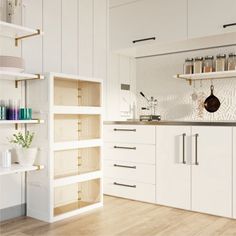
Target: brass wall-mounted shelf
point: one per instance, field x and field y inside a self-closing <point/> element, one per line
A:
<point x="17" y="32"/>
<point x="207" y="76"/>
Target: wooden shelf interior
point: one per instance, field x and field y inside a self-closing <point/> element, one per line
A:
<point x="76" y="93"/>
<point x="76" y="127"/>
<point x="75" y="196"/>
<point x="74" y="162"/>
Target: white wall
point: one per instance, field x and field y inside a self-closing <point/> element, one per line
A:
<point x="74" y="41"/>
<point x="155" y="78"/>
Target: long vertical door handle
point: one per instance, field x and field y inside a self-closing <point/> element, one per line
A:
<point x="196" y="149"/>
<point x="184" y="161"/>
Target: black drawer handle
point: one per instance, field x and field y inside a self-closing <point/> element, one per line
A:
<point x="229" y="25"/>
<point x="125" y="185"/>
<point x="123" y="166"/>
<point x="146" y="39"/>
<point x="131" y="130"/>
<point x="130" y="148"/>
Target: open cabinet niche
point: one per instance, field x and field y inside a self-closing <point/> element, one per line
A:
<point x="75" y="196"/>
<point x="76" y="127"/>
<point x="76" y="93"/>
<point x="75" y="162"/>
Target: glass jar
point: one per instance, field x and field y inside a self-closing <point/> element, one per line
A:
<point x="232" y="61"/>
<point x="188" y="66"/>
<point x="220" y="62"/>
<point x="208" y="64"/>
<point x="198" y="65"/>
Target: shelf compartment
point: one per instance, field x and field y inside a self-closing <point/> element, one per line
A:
<point x="60" y="146"/>
<point x="17" y="32"/>
<point x="76" y="196"/>
<point x="76" y="162"/>
<point x="207" y="76"/>
<point x="70" y="92"/>
<point x="76" y="127"/>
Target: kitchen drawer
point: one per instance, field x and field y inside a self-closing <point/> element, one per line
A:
<point x="131" y="171"/>
<point x="137" y="153"/>
<point x="129" y="189"/>
<point x="129" y="134"/>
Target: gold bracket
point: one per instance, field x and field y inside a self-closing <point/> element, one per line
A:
<point x="16" y="126"/>
<point x="39" y="167"/>
<point x="26" y="36"/>
<point x="190" y="82"/>
<point x="17" y="81"/>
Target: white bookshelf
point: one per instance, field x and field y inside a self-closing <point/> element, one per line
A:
<point x="74" y="131"/>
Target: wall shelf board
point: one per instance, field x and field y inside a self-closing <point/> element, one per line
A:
<point x="80" y="110"/>
<point x="17" y="76"/>
<point x="207" y="76"/>
<point x="16" y="168"/>
<point x="17" y="32"/>
<point x="60" y="146"/>
<point x="77" y="178"/>
<point x="77" y="211"/>
<point x="34" y="121"/>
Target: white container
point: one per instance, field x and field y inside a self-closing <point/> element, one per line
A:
<point x="26" y="156"/>
<point x="6" y="159"/>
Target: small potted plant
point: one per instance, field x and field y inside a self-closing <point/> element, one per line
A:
<point x="25" y="153"/>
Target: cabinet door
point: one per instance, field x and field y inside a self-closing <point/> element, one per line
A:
<point x="145" y="19"/>
<point x="212" y="170"/>
<point x="207" y="17"/>
<point x="172" y="175"/>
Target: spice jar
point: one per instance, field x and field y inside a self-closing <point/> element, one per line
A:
<point x="188" y="66"/>
<point x="208" y="64"/>
<point x="232" y="61"/>
<point x="220" y="62"/>
<point x="197" y="65"/>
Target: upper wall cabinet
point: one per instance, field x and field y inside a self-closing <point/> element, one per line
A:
<point x="211" y="17"/>
<point x="147" y="19"/>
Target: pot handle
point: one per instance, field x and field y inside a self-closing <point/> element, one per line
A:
<point x="212" y="89"/>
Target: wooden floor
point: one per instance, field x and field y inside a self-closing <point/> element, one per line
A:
<point x="122" y="217"/>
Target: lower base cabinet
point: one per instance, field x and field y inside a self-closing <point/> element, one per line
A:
<point x="193" y="169"/>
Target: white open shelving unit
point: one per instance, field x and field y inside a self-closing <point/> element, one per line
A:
<point x="207" y="76"/>
<point x="74" y="132"/>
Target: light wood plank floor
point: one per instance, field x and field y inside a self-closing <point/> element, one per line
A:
<point x="121" y="217"/>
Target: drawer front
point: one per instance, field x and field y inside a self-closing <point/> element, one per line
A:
<point x="129" y="189"/>
<point x="129" y="170"/>
<point x="129" y="134"/>
<point x="137" y="153"/>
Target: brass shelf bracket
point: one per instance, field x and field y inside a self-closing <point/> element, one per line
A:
<point x="26" y="36"/>
<point x="17" y="81"/>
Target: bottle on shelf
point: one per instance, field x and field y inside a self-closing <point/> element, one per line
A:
<point x="220" y="62"/>
<point x="232" y="61"/>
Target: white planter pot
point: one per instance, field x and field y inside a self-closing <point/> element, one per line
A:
<point x="26" y="156"/>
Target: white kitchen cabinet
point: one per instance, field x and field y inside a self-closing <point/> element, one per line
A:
<point x="69" y="42"/>
<point x="52" y="35"/>
<point x="147" y="19"/>
<point x="212" y="170"/>
<point x="173" y="170"/>
<point x="207" y="17"/>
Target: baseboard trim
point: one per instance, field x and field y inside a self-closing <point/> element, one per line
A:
<point x="12" y="212"/>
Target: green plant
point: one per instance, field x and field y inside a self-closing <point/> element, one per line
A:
<point x="23" y="140"/>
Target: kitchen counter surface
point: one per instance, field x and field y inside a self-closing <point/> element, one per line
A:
<point x="166" y="122"/>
